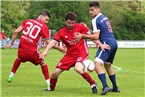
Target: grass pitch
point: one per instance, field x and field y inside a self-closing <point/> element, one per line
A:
<point x="29" y="81"/>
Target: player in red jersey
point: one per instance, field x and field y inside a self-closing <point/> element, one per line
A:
<point x="32" y="31"/>
<point x="2" y="35"/>
<point x="77" y="51"/>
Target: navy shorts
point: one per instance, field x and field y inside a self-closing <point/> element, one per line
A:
<point x="107" y="55"/>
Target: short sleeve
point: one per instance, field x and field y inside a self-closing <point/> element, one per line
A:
<point x="45" y="32"/>
<point x="57" y="36"/>
<point x="95" y="26"/>
<point x="84" y="28"/>
<point x="23" y="23"/>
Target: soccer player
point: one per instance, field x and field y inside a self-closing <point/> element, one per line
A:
<point x="32" y="31"/>
<point x="2" y="35"/>
<point x="77" y="51"/>
<point x="3" y="39"/>
<point x="102" y="31"/>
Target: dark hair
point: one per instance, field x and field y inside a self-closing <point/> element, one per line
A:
<point x="45" y="13"/>
<point x="70" y="16"/>
<point x="94" y="3"/>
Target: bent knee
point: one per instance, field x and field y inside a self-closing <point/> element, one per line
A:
<point x="42" y="63"/>
<point x="78" y="67"/>
<point x="56" y="73"/>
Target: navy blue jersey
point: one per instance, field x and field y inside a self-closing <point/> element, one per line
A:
<point x="101" y="24"/>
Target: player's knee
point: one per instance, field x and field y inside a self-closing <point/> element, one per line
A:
<point x="78" y="67"/>
<point x="98" y="60"/>
<point x="56" y="73"/>
<point x="42" y="63"/>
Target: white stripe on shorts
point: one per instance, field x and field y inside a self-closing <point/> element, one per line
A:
<point x="100" y="53"/>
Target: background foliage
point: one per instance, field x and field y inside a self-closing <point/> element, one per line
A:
<point x="127" y="17"/>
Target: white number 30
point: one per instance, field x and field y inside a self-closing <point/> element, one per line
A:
<point x="30" y="29"/>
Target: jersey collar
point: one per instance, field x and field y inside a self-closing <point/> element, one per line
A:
<point x="97" y="16"/>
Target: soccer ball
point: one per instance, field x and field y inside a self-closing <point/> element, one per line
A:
<point x="89" y="66"/>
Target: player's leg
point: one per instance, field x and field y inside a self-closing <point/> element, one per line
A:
<point x="54" y="78"/>
<point x="16" y="65"/>
<point x="102" y="76"/>
<point x="112" y="76"/>
<point x="45" y="71"/>
<point x="79" y="69"/>
<point x="101" y="56"/>
<point x="109" y="68"/>
<point x="34" y="58"/>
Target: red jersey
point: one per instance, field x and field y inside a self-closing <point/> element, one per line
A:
<point x="67" y="37"/>
<point x="33" y="31"/>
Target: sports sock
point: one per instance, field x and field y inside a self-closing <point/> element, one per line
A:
<point x="48" y="81"/>
<point x="16" y="65"/>
<point x="87" y="77"/>
<point x="45" y="71"/>
<point x="53" y="83"/>
<point x="11" y="74"/>
<point x="48" y="84"/>
<point x="102" y="77"/>
<point x="113" y="80"/>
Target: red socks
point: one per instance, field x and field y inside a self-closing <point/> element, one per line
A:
<point x="45" y="71"/>
<point x="87" y="77"/>
<point x="16" y="65"/>
<point x="53" y="84"/>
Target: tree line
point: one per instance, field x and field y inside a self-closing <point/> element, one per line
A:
<point x="127" y="17"/>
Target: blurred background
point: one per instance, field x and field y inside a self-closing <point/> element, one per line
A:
<point x="127" y="17"/>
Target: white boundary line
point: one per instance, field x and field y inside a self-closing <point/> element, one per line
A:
<point x="120" y="69"/>
<point x="117" y="68"/>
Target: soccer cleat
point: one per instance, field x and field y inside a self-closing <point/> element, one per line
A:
<point x="94" y="90"/>
<point x="115" y="90"/>
<point x="9" y="79"/>
<point x="106" y="90"/>
<point x="47" y="89"/>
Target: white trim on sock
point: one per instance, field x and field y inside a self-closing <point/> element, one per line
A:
<point x="11" y="74"/>
<point x="48" y="81"/>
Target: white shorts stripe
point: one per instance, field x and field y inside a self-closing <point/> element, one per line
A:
<point x="100" y="53"/>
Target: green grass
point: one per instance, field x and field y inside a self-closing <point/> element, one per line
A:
<point x="29" y="81"/>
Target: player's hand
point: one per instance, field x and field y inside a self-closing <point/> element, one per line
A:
<point x="42" y="55"/>
<point x="77" y="36"/>
<point x="7" y="45"/>
<point x="105" y="47"/>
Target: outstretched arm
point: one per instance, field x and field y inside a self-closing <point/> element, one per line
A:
<point x="93" y="36"/>
<point x="14" y="36"/>
<point x="61" y="49"/>
<point x="49" y="46"/>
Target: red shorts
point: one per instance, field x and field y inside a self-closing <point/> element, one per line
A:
<point x="32" y="57"/>
<point x="69" y="61"/>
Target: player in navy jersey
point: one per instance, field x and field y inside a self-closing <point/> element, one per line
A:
<point x="31" y="32"/>
<point x="77" y="51"/>
<point x="102" y="32"/>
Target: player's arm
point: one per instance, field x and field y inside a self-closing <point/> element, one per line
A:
<point x="48" y="47"/>
<point x="5" y="37"/>
<point x="14" y="36"/>
<point x="61" y="49"/>
<point x="94" y="36"/>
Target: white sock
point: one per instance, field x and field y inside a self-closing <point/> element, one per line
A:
<point x="48" y="81"/>
<point x="48" y="84"/>
<point x="93" y="85"/>
<point x="11" y="74"/>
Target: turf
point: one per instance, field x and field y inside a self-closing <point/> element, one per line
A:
<point x="29" y="81"/>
